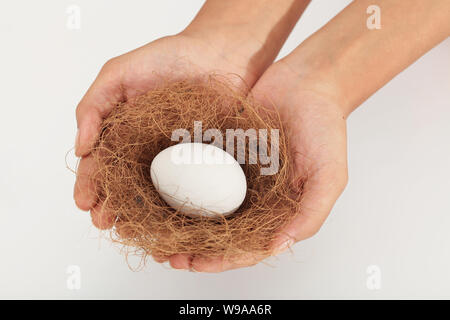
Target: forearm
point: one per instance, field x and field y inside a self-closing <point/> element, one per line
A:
<point x="252" y="29"/>
<point x="354" y="61"/>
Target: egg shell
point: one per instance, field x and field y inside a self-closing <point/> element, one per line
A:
<point x="199" y="179"/>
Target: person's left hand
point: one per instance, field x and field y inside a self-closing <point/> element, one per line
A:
<point x="318" y="137"/>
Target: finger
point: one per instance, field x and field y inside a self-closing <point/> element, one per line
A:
<point x="125" y="232"/>
<point x="101" y="217"/>
<point x="104" y="93"/>
<point x="220" y="264"/>
<point x="159" y="259"/>
<point x="321" y="190"/>
<point x="84" y="192"/>
<point x="180" y="261"/>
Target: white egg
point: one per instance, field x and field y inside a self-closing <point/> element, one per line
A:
<point x="199" y="179"/>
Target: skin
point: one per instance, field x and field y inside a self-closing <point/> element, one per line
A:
<point x="226" y="37"/>
<point x="321" y="88"/>
<point x="323" y="81"/>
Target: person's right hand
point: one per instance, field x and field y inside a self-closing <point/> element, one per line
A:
<point x="136" y="72"/>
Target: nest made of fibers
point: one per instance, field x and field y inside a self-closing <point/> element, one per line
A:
<point x="137" y="130"/>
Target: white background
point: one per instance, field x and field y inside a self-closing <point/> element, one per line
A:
<point x="394" y="214"/>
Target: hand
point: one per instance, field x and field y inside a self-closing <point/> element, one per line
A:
<point x="126" y="76"/>
<point x="231" y="37"/>
<point x="318" y="138"/>
<point x="321" y="82"/>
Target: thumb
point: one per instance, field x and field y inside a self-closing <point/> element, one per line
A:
<point x="104" y="93"/>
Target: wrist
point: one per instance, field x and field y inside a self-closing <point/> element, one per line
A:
<point x="350" y="61"/>
<point x="246" y="32"/>
<point x="310" y="69"/>
<point x="233" y="44"/>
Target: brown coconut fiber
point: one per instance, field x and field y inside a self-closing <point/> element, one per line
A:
<point x="137" y="130"/>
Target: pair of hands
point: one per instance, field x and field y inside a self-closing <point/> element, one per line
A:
<point x="318" y="129"/>
<point x="315" y="87"/>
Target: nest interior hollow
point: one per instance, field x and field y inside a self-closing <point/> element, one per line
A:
<point x="137" y="130"/>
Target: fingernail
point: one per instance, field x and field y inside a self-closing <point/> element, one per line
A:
<point x="283" y="247"/>
<point x="77" y="140"/>
<point x="191" y="269"/>
<point x="191" y="266"/>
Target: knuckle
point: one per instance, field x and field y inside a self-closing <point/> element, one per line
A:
<point x="343" y="179"/>
<point x="80" y="202"/>
<point x="78" y="112"/>
<point x="311" y="232"/>
<point x="109" y="65"/>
